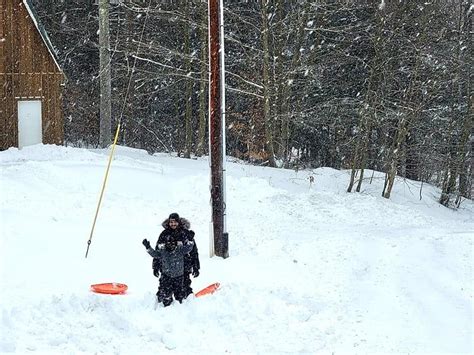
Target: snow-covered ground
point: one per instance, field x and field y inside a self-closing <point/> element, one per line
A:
<point x="312" y="269"/>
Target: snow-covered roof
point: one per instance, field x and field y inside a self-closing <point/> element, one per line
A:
<point x="34" y="16"/>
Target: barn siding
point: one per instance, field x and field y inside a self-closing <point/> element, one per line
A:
<point x="27" y="71"/>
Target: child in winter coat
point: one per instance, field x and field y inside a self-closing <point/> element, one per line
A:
<point x="171" y="255"/>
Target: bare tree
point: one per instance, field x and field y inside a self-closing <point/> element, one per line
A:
<point x="104" y="74"/>
<point x="457" y="174"/>
<point x="269" y="122"/>
<point x="188" y="118"/>
<point x="202" y="85"/>
<point x="370" y="104"/>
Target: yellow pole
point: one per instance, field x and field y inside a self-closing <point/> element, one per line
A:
<point x="103" y="188"/>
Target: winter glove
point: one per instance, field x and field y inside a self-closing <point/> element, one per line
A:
<point x="146" y="243"/>
<point x="195" y="273"/>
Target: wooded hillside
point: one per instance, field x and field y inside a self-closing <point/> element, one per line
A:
<point x="358" y="85"/>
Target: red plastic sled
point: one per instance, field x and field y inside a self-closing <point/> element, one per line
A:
<point x="111" y="288"/>
<point x="208" y="290"/>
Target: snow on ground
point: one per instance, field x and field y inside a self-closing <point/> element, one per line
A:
<point x="312" y="269"/>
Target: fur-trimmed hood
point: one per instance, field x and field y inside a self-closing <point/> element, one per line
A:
<point x="183" y="223"/>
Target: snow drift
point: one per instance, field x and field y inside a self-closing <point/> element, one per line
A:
<point x="312" y="269"/>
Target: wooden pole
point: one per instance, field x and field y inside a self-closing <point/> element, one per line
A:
<point x="219" y="240"/>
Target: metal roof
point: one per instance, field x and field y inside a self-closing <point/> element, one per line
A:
<point x="34" y="16"/>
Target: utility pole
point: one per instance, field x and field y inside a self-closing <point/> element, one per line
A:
<point x="105" y="134"/>
<point x="219" y="242"/>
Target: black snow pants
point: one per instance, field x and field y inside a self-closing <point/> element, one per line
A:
<point x="169" y="287"/>
<point x="187" y="289"/>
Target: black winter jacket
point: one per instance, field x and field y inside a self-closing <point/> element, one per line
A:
<point x="180" y="234"/>
<point x="172" y="261"/>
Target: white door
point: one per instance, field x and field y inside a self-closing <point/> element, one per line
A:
<point x="29" y="123"/>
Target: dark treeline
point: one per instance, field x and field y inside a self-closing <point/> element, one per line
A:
<point x="383" y="85"/>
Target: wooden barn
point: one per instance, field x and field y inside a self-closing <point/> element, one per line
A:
<point x="30" y="80"/>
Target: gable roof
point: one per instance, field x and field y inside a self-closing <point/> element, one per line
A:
<point x="42" y="32"/>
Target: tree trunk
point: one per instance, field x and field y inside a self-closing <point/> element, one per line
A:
<point x="202" y="87"/>
<point x="287" y="84"/>
<point x="460" y="148"/>
<point x="364" y="153"/>
<point x="393" y="159"/>
<point x="368" y="109"/>
<point x="354" y="173"/>
<point x="266" y="89"/>
<point x="189" y="90"/>
<point x="465" y="169"/>
<point x="104" y="74"/>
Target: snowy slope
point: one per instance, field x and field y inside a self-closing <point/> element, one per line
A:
<point x="312" y="269"/>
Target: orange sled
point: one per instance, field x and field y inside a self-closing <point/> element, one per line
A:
<point x="111" y="288"/>
<point x="208" y="290"/>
